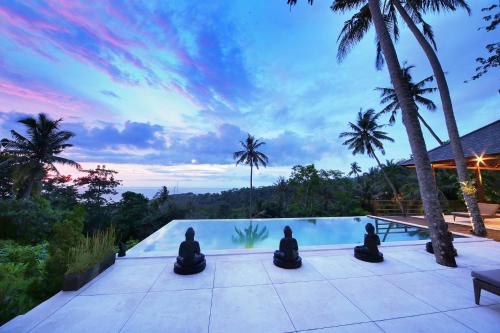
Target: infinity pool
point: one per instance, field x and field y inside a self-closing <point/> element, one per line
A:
<point x="266" y="233"/>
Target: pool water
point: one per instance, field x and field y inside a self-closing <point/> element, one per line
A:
<point x="266" y="233"/>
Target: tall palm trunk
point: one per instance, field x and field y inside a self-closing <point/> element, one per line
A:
<point x="442" y="243"/>
<point x="451" y="124"/>
<point x="422" y="120"/>
<point x="251" y="188"/>
<point x="394" y="191"/>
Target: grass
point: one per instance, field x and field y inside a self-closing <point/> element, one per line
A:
<point x="91" y="250"/>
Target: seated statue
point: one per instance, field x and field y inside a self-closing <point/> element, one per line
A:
<point x="122" y="249"/>
<point x="190" y="259"/>
<point x="369" y="250"/>
<point x="429" y="248"/>
<point x="288" y="254"/>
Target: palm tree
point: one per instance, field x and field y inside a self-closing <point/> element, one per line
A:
<point x="355" y="170"/>
<point x="372" y="13"/>
<point x="366" y="137"/>
<point x="388" y="95"/>
<point x="33" y="155"/>
<point x="251" y="156"/>
<point x="411" y="14"/>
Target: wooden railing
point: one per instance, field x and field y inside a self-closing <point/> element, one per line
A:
<point x="391" y="207"/>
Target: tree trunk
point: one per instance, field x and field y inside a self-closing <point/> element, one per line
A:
<point x="394" y="191"/>
<point x="28" y="188"/>
<point x="441" y="240"/>
<point x="430" y="129"/>
<point x="451" y="124"/>
<point x="251" y="188"/>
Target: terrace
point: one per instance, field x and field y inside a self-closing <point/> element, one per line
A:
<point x="332" y="292"/>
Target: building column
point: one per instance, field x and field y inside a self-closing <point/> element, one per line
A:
<point x="479" y="185"/>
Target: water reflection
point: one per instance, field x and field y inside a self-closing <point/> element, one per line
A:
<point x="386" y="228"/>
<point x="250" y="236"/>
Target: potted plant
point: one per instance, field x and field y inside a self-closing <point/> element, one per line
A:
<point x="89" y="258"/>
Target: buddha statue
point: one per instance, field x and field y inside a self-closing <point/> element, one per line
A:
<point x="190" y="259"/>
<point x="288" y="254"/>
<point x="369" y="250"/>
<point x="122" y="249"/>
<point x="429" y="248"/>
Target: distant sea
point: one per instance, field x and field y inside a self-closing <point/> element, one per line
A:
<point x="149" y="192"/>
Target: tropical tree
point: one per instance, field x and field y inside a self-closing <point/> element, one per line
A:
<point x="33" y="155"/>
<point x="355" y="170"/>
<point x="281" y="187"/>
<point x="356" y="29"/>
<point x="411" y="14"/>
<point x="365" y="138"/>
<point x="251" y="156"/>
<point x="492" y="60"/>
<point x="388" y="97"/>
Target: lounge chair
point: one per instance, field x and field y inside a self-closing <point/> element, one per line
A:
<point x="486" y="210"/>
<point x="487" y="280"/>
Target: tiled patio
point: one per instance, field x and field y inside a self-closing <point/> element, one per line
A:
<point x="332" y="292"/>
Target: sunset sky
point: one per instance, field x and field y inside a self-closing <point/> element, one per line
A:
<point x="163" y="91"/>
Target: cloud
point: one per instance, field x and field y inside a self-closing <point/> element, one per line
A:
<point x="197" y="56"/>
<point x="109" y="93"/>
<point x="136" y="142"/>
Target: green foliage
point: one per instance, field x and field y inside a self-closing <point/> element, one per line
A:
<point x="66" y="234"/>
<point x="129" y="212"/>
<point x="99" y="183"/>
<point x="27" y="221"/>
<point x="6" y="178"/>
<point x="37" y="152"/>
<point x="59" y="191"/>
<point x="20" y="268"/>
<point x="91" y="250"/>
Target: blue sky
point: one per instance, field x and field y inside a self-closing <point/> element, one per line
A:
<point x="163" y="91"/>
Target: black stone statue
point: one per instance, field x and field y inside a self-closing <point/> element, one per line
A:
<point x="288" y="254"/>
<point x="122" y="249"/>
<point x="369" y="250"/>
<point x="429" y="248"/>
<point x="190" y="259"/>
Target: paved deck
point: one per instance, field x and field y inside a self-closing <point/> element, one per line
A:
<point x="332" y="292"/>
<point x="462" y="225"/>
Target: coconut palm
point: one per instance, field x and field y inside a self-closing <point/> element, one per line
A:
<point x="365" y="138"/>
<point x="355" y="170"/>
<point x="388" y="97"/>
<point x="372" y="13"/>
<point x="33" y="155"/>
<point x="411" y="14"/>
<point x="251" y="156"/>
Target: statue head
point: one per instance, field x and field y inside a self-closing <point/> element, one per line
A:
<point x="190" y="234"/>
<point x="370" y="229"/>
<point x="288" y="232"/>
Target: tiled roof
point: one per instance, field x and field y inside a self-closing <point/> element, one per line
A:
<point x="485" y="140"/>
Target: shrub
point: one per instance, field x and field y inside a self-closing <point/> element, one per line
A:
<point x="66" y="234"/>
<point x="91" y="250"/>
<point x="20" y="268"/>
<point x="27" y="221"/>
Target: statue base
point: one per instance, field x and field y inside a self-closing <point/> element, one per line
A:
<point x="188" y="270"/>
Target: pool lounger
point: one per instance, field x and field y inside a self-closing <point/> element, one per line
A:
<point x="487" y="280"/>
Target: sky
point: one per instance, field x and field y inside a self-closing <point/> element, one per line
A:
<point x="163" y="91"/>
